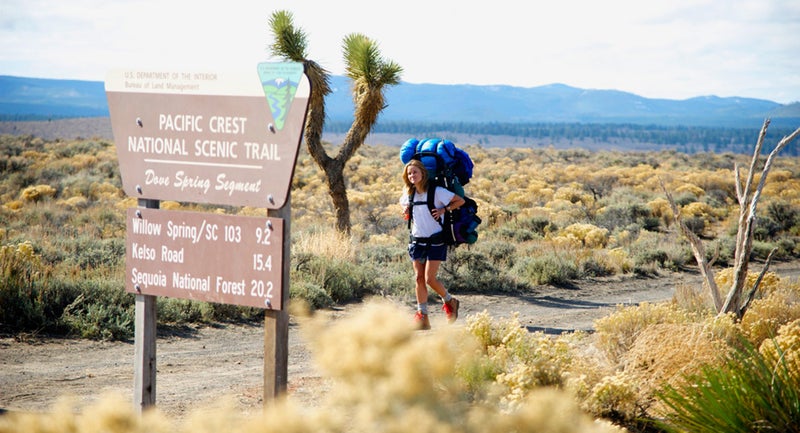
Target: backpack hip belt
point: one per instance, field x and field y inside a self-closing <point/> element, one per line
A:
<point x="436" y="239"/>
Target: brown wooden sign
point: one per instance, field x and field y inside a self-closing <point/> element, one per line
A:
<point x="226" y="259"/>
<point x="221" y="138"/>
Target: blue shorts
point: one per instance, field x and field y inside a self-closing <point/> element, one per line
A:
<point x="420" y="251"/>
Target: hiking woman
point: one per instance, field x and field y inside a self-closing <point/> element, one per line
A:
<point x="426" y="247"/>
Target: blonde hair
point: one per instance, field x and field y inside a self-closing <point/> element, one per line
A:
<point x="424" y="181"/>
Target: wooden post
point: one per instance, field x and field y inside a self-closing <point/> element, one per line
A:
<point x="276" y="322"/>
<point x="144" y="373"/>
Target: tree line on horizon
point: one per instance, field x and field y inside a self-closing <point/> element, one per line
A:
<point x="685" y="139"/>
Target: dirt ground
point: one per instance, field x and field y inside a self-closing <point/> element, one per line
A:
<point x="198" y="367"/>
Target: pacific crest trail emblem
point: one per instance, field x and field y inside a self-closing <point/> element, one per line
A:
<point x="280" y="82"/>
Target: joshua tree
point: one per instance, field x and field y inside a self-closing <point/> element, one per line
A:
<point x="748" y="198"/>
<point x="369" y="73"/>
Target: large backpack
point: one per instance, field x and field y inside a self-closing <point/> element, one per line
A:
<point x="439" y="155"/>
<point x="451" y="168"/>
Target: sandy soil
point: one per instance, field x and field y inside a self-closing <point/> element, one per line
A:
<point x="199" y="366"/>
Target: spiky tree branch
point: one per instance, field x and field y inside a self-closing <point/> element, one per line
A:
<point x="370" y="74"/>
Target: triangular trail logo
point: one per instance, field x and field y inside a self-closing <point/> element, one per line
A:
<point x="280" y="82"/>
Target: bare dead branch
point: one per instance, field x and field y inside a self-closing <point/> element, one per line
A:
<point x="697" y="248"/>
<point x="737" y="179"/>
<point x="744" y="244"/>
<point x="752" y="293"/>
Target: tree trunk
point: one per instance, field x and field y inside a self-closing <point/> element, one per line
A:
<point x="334" y="175"/>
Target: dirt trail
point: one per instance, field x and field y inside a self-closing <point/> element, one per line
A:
<point x="198" y="367"/>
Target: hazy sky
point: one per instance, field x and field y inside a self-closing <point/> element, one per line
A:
<point x="672" y="49"/>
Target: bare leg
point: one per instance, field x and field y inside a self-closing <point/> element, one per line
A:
<point x="431" y="270"/>
<point x="420" y="287"/>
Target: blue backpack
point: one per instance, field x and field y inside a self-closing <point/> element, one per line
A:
<point x="451" y="168"/>
<point x="440" y="157"/>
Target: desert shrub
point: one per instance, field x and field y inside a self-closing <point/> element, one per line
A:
<point x="766" y="229"/>
<point x="784" y="214"/>
<point x="694" y="300"/>
<point x="587" y="235"/>
<point x="37" y="192"/>
<point x="684" y="198"/>
<point x="526" y="228"/>
<point x="650" y="252"/>
<point x="75" y="202"/>
<point x="723" y="249"/>
<point x="769" y="282"/>
<point x="614" y="397"/>
<point x="85" y="252"/>
<point x="501" y="253"/>
<point x="550" y="268"/>
<point x="648" y="262"/>
<point x="516" y="234"/>
<point x="21" y="272"/>
<point x="324" y="242"/>
<point x="620" y="260"/>
<point x="524" y="361"/>
<point x="597" y="266"/>
<point x="617" y="332"/>
<point x="696" y="224"/>
<point x="768" y="313"/>
<point x="342" y="280"/>
<point x="327" y="259"/>
<point x="784" y="347"/>
<point x="312" y="294"/>
<point x="761" y="250"/>
<point x="374" y="252"/>
<point x="102" y="311"/>
<point x="622" y="215"/>
<point x="748" y="392"/>
<point x="786" y="248"/>
<point x="663" y="353"/>
<point x="471" y="270"/>
<point x="178" y="312"/>
<point x="521" y="361"/>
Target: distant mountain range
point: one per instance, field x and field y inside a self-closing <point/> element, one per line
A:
<point x="36" y="98"/>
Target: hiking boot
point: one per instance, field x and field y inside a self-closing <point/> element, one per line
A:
<point x="451" y="309"/>
<point x="421" y="321"/>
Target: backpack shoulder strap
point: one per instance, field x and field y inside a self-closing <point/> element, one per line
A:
<point x="431" y="201"/>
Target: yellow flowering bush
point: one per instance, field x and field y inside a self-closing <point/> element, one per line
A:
<point x="724" y="280"/>
<point x="587" y="235"/>
<point x="37" y="192"/>
<point x="525" y="360"/>
<point x="766" y="315"/>
<point x="690" y="188"/>
<point x="614" y="397"/>
<point x="785" y="347"/>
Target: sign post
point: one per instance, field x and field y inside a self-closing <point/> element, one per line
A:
<point x="226" y="138"/>
<point x="144" y="376"/>
<point x="276" y="323"/>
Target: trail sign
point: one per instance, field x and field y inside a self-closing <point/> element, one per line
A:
<point x="227" y="138"/>
<point x="226" y="259"/>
